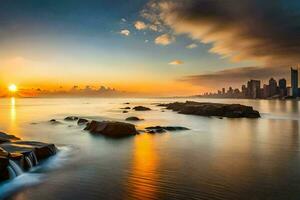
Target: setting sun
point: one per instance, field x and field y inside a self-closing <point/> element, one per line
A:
<point x="12" y="88"/>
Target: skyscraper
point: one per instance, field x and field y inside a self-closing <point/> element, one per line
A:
<point x="253" y="89"/>
<point x="282" y="87"/>
<point x="273" y="87"/>
<point x="294" y="82"/>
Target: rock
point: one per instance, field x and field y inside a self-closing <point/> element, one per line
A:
<point x="54" y="122"/>
<point x="162" y="129"/>
<point x="127" y="103"/>
<point x="175" y="128"/>
<point x="126" y="108"/>
<point x="82" y="121"/>
<point x="111" y="129"/>
<point x="213" y="109"/>
<point x="7" y="138"/>
<point x="4" y="173"/>
<point x="125" y="111"/>
<point x="155" y="130"/>
<point x="71" y="118"/>
<point x="23" y="154"/>
<point x="41" y="150"/>
<point x="133" y="119"/>
<point x="141" y="108"/>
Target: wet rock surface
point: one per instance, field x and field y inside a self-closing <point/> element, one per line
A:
<point x="111" y="128"/>
<point x="54" y="122"/>
<point x="162" y="129"/>
<point x="71" y="118"/>
<point x="133" y="119"/>
<point x="213" y="109"/>
<point x="17" y="155"/>
<point x="7" y="138"/>
<point x="141" y="108"/>
<point x="126" y="108"/>
<point x="82" y="121"/>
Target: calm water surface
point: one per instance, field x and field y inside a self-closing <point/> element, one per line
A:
<point x="216" y="159"/>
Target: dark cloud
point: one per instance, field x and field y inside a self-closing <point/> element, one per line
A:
<point x="262" y="30"/>
<point x="237" y="76"/>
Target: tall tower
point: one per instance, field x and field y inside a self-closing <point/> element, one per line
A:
<point x="294" y="82"/>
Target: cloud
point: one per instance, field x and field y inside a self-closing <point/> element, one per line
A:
<point x="123" y="20"/>
<point x="125" y="32"/>
<point x="139" y="25"/>
<point x="164" y="39"/>
<point x="264" y="31"/>
<point x="236" y="76"/>
<point x="192" y="46"/>
<point x="76" y="91"/>
<point x="176" y="62"/>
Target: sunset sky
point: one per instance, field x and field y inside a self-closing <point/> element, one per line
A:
<point x="145" y="47"/>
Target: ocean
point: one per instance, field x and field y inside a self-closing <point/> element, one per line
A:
<point x="215" y="159"/>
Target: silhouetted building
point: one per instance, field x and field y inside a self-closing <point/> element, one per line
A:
<point x="266" y="91"/>
<point x="273" y="87"/>
<point x="282" y="87"/>
<point x="223" y="90"/>
<point x="253" y="89"/>
<point x="294" y="82"/>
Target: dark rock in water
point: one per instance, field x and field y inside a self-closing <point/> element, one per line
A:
<point x="156" y="130"/>
<point x="213" y="109"/>
<point x="54" y="122"/>
<point x="7" y="138"/>
<point x="127" y="103"/>
<point x="126" y="108"/>
<point x="133" y="119"/>
<point x="111" y="129"/>
<point x="175" y="128"/>
<point x="125" y="111"/>
<point x="71" y="118"/>
<point x="4" y="173"/>
<point x="141" y="108"/>
<point x="162" y="129"/>
<point x="82" y="121"/>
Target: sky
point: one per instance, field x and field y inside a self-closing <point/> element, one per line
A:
<point x="144" y="47"/>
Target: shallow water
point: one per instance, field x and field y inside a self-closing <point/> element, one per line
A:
<point x="216" y="159"/>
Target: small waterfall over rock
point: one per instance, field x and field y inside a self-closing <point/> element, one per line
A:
<point x="31" y="159"/>
<point x="14" y="169"/>
<point x="28" y="161"/>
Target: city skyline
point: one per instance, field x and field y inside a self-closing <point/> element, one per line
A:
<point x="254" y="89"/>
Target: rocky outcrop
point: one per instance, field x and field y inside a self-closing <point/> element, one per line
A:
<point x="7" y="138"/>
<point x="111" y="129"/>
<point x="82" y="121"/>
<point x="162" y="129"/>
<point x="133" y="119"/>
<point x="213" y="109"/>
<point x="141" y="108"/>
<point x="71" y="118"/>
<point x="17" y="156"/>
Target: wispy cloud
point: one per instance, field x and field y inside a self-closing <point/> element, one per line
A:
<point x="264" y="31"/>
<point x="164" y="39"/>
<point x="176" y="62"/>
<point x="125" y="32"/>
<point x="191" y="46"/>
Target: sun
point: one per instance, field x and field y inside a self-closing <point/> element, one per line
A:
<point x="12" y="88"/>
